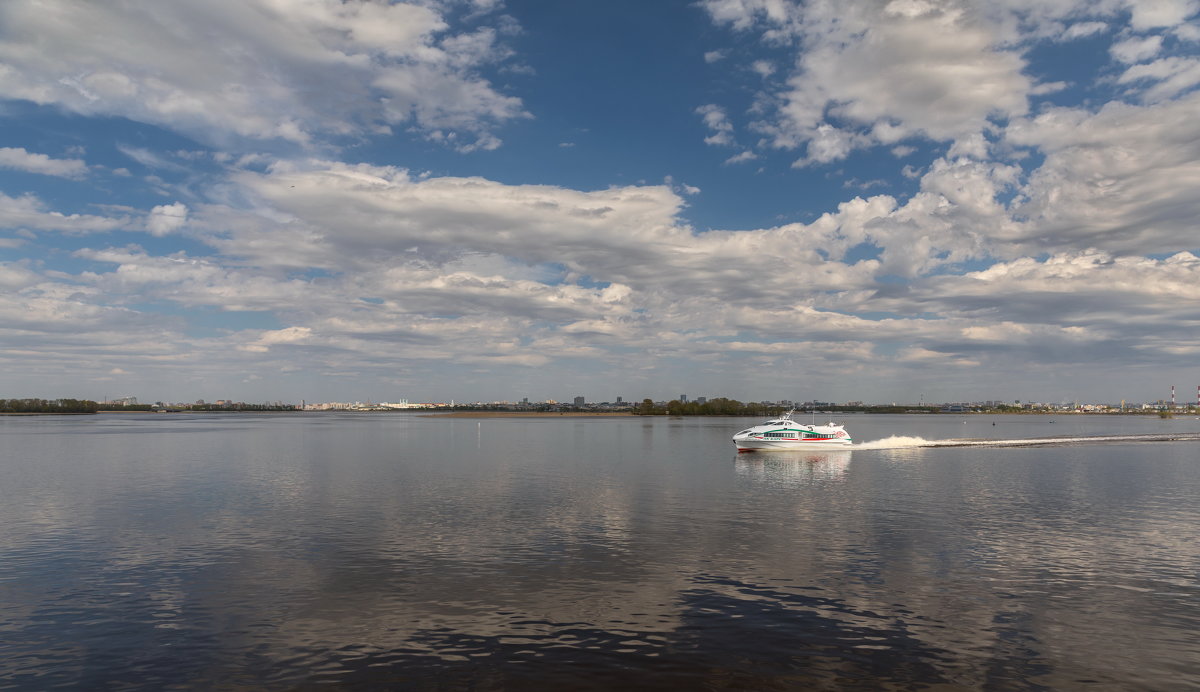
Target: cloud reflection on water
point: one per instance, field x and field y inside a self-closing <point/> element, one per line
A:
<point x="370" y="553"/>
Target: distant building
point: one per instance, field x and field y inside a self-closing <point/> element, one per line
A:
<point x="683" y="398"/>
<point x="701" y="400"/>
<point x="579" y="401"/>
<point x="619" y="400"/>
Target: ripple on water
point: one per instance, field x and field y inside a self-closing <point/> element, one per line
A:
<point x="355" y="557"/>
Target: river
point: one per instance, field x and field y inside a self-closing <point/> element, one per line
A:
<point x="370" y="551"/>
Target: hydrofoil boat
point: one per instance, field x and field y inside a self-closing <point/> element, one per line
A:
<point x="785" y="433"/>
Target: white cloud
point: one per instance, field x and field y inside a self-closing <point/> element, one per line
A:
<point x="827" y="143"/>
<point x="1048" y="88"/>
<point x="718" y="123"/>
<point x="368" y="270"/>
<point x="296" y="71"/>
<point x="1104" y="306"/>
<point x="15" y="276"/>
<point x="1188" y="32"/>
<point x="29" y="212"/>
<point x="149" y="159"/>
<point x="1169" y="77"/>
<point x="884" y="73"/>
<point x="1152" y="14"/>
<point x="742" y="15"/>
<point x="167" y="218"/>
<point x="290" y="335"/>
<point x="18" y="158"/>
<point x="1122" y="179"/>
<point x="763" y="68"/>
<point x="743" y="157"/>
<point x="1083" y="29"/>
<point x="470" y="271"/>
<point x="1134" y="50"/>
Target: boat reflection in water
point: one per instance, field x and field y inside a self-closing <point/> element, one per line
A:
<point x="794" y="466"/>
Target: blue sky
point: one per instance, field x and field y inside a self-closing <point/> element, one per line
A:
<point x="479" y="200"/>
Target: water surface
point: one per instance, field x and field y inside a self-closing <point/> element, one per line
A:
<point x="415" y="552"/>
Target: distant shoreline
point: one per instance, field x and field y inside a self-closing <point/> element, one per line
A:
<point x="534" y="414"/>
<point x="47" y="413"/>
<point x="599" y="414"/>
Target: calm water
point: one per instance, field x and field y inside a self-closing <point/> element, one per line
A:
<point x="410" y="552"/>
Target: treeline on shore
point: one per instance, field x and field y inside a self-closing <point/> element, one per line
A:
<point x="88" y="406"/>
<point x="240" y="406"/>
<point x="48" y="406"/>
<point x="732" y="407"/>
<point x="713" y="407"/>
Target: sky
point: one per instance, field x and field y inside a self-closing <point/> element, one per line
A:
<point x="485" y="200"/>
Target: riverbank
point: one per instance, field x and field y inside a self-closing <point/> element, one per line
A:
<point x="47" y="413"/>
<point x="532" y="414"/>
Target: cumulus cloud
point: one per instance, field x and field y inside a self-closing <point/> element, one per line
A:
<point x="351" y="218"/>
<point x="1138" y="49"/>
<point x="1083" y="29"/>
<point x="428" y="272"/>
<point x="764" y="68"/>
<point x="368" y="270"/>
<point x="297" y="71"/>
<point x="1090" y="303"/>
<point x="18" y="158"/>
<point x="1152" y="14"/>
<point x="718" y="123"/>
<point x="871" y="73"/>
<point x="1122" y="179"/>
<point x="868" y="74"/>
<point x="742" y="157"/>
<point x="29" y="212"/>
<point x="1167" y="77"/>
<point x="167" y="218"/>
<point x="15" y="276"/>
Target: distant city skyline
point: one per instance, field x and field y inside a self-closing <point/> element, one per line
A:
<point x="488" y="199"/>
<point x="582" y="400"/>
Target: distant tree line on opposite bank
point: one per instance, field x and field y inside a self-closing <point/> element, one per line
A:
<point x="713" y="407"/>
<point x="87" y="406"/>
<point x="242" y="406"/>
<point x="48" y="406"/>
<point x="732" y="407"/>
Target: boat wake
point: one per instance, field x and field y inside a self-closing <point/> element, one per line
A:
<point x="901" y="442"/>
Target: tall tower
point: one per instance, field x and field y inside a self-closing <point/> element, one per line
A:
<point x="1172" y="396"/>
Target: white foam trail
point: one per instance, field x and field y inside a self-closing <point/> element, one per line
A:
<point x="902" y="442"/>
<point x="896" y="442"/>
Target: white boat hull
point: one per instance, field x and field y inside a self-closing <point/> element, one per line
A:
<point x="750" y="445"/>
